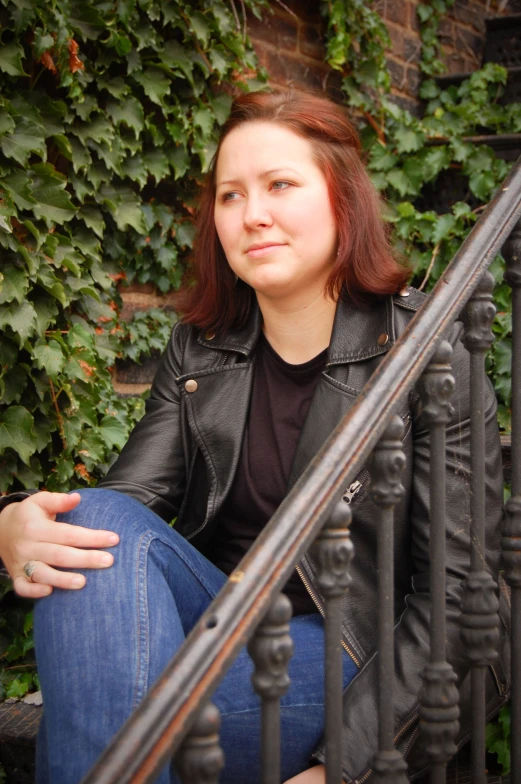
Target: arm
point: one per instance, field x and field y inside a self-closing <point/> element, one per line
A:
<point x="151" y="466"/>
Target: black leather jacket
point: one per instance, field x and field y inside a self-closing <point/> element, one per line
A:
<point x="182" y="457"/>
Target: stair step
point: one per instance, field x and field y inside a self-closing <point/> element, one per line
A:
<point x="512" y="92"/>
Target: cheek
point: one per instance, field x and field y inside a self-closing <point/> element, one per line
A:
<point x="226" y="226"/>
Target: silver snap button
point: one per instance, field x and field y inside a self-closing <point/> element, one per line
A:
<point x="404" y="293"/>
<point x="383" y="339"/>
<point x="191" y="385"/>
<point x="209" y="335"/>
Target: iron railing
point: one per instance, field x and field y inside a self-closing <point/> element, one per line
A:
<point x="175" y="718"/>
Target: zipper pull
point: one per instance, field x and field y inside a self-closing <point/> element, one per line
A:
<point x="351" y="492"/>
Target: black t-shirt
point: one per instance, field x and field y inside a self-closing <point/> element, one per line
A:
<point x="280" y="401"/>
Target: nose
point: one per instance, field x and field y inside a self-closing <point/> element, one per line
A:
<point x="256" y="214"/>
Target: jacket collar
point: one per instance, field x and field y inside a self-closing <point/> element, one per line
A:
<point x="357" y="334"/>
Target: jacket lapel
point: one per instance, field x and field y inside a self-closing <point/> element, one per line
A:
<point x="357" y="344"/>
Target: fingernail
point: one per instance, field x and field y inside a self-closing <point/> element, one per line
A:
<point x="113" y="538"/>
<point x="77" y="582"/>
<point x="106" y="560"/>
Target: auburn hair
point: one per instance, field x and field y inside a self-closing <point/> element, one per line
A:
<point x="366" y="266"/>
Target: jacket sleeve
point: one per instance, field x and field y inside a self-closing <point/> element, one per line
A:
<point x="151" y="466"/>
<point x="360" y="712"/>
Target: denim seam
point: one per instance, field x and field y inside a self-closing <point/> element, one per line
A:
<point x="179" y="553"/>
<point x="143" y="632"/>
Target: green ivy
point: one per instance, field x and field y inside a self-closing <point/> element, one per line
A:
<point x="406" y="154"/>
<point x="108" y="114"/>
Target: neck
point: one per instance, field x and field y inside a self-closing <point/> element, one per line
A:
<point x="301" y="331"/>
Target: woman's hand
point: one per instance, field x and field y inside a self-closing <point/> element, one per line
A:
<point x="316" y="775"/>
<point x="29" y="532"/>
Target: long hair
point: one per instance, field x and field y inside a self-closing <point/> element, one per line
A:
<point x="365" y="267"/>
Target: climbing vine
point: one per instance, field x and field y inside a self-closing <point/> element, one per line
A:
<point x="108" y="114"/>
<point x="409" y="157"/>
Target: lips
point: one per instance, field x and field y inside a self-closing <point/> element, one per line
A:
<point x="263" y="248"/>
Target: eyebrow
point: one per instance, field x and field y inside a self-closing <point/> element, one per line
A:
<point x="262" y="175"/>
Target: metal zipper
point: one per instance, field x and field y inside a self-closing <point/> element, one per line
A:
<point x="321" y="611"/>
<point x="352" y="491"/>
<point x="396" y="737"/>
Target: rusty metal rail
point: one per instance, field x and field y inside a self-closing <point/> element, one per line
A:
<point x="149" y="738"/>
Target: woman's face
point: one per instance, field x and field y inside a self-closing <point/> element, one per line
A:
<point x="272" y="211"/>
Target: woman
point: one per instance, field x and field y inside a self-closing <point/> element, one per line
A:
<point x="297" y="298"/>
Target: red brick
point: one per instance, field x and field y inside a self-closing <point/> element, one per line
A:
<point x="414" y="21"/>
<point x="413" y="80"/>
<point x="306" y="10"/>
<point x="397" y="39"/>
<point x="473" y="44"/>
<point x="281" y="33"/>
<point x="286" y="69"/>
<point x="446" y="31"/>
<point x="396" y="71"/>
<point x="410" y="104"/>
<point x="397" y="11"/>
<point x="141" y="288"/>
<point x="455" y="62"/>
<point x="311" y="41"/>
<point x="411" y="48"/>
<point x="469" y="14"/>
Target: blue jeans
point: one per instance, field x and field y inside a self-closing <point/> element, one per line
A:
<point x="101" y="648"/>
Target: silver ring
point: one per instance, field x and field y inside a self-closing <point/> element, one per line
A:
<point x="29" y="568"/>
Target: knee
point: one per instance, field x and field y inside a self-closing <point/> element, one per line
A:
<point x="104" y="509"/>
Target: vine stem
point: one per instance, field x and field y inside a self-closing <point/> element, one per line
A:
<point x="431" y="265"/>
<point x="379" y="130"/>
<point x="58" y="415"/>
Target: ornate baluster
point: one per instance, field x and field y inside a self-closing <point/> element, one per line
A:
<point x="511" y="540"/>
<point x="332" y="552"/>
<point x="271" y="648"/>
<point x="200" y="758"/>
<point x="439" y="710"/>
<point x="479" y="619"/>
<point x="387" y="465"/>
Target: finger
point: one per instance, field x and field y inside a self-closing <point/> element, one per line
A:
<point x="55" y="503"/>
<point x="71" y="558"/>
<point x="29" y="590"/>
<point x="45" y="574"/>
<point x="75" y="535"/>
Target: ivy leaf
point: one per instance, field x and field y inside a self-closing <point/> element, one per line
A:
<point x="125" y="9"/>
<point x="93" y="219"/>
<point x="157" y="164"/>
<point x="14" y="285"/>
<point x="409" y="140"/>
<point x="482" y="184"/>
<point x="180" y="161"/>
<point x="128" y="213"/>
<point x="113" y="432"/>
<point x="17" y="432"/>
<point x="129" y="112"/>
<point x="203" y="119"/>
<point x="27" y="138"/>
<point x="134" y="169"/>
<point x="399" y="181"/>
<point x="175" y="56"/>
<point x="200" y="27"/>
<point x="53" y="201"/>
<point x="18" y="185"/>
<point x="21" y="319"/>
<point x="155" y="84"/>
<point x="7" y="124"/>
<point x="49" y="357"/>
<point x="444" y="226"/>
<point x="11" y="59"/>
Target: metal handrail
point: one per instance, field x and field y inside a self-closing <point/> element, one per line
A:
<point x="157" y="727"/>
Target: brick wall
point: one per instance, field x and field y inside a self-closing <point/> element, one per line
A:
<point x="290" y="43"/>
